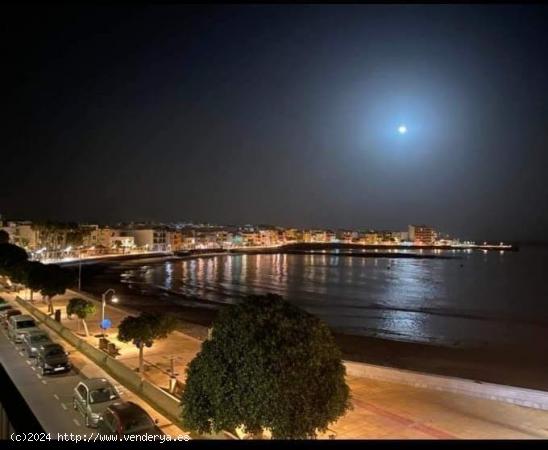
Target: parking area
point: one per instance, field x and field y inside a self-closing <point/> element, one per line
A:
<point x="50" y="396"/>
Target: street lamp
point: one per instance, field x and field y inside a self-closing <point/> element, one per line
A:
<point x="79" y="269"/>
<point x="114" y="299"/>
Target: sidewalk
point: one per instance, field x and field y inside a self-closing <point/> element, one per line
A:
<point x="88" y="369"/>
<point x="157" y="358"/>
<point x="381" y="410"/>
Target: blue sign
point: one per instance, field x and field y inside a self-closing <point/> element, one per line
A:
<point x="106" y="324"/>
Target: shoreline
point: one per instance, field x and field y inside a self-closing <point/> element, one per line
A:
<point x="527" y="369"/>
<point x="369" y="255"/>
<point x="482" y="364"/>
<point x="305" y="248"/>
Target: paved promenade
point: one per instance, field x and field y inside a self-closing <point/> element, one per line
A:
<point x="381" y="410"/>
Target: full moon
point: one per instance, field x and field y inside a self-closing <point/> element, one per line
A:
<point x="402" y="129"/>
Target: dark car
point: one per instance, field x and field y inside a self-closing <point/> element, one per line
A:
<point x="52" y="358"/>
<point x="4" y="305"/>
<point x="126" y="418"/>
<point x="33" y="340"/>
<point x="4" y="308"/>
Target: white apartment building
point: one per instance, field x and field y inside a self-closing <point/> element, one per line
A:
<point x="151" y="239"/>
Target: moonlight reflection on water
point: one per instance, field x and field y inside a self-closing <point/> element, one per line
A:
<point x="478" y="299"/>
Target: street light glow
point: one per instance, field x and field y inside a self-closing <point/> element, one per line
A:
<point x="402" y="129"/>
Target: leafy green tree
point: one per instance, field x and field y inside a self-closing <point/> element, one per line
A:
<point x="19" y="272"/>
<point x="35" y="276"/>
<point x="29" y="274"/>
<point x="268" y="365"/>
<point x="4" y="237"/>
<point x="144" y="330"/>
<point x="82" y="309"/>
<point x="54" y="281"/>
<point x="10" y="256"/>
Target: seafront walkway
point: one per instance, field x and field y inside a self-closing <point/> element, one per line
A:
<point x="381" y="409"/>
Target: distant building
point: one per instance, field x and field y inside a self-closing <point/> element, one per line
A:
<point x="175" y="240"/>
<point x="99" y="237"/>
<point x="268" y="237"/>
<point x="422" y="234"/>
<point x="318" y="236"/>
<point x="401" y="236"/>
<point x="250" y="238"/>
<point x="330" y="236"/>
<point x="290" y="235"/>
<point x="386" y="237"/>
<point x="122" y="242"/>
<point x="151" y="239"/>
<point x="369" y="237"/>
<point x="346" y="236"/>
<point x="22" y="234"/>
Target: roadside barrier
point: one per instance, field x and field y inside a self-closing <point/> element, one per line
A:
<point x="158" y="396"/>
<point x="159" y="399"/>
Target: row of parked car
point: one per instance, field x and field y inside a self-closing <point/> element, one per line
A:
<point x="96" y="399"/>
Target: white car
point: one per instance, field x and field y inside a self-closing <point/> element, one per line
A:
<point x="92" y="397"/>
<point x="20" y="325"/>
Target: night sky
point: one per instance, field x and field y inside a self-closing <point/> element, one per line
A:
<point x="286" y="115"/>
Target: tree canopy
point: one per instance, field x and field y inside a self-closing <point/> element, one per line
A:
<point x="19" y="272"/>
<point x="10" y="255"/>
<point x="4" y="237"/>
<point x="35" y="275"/>
<point x="268" y="365"/>
<point x="81" y="308"/>
<point x="54" y="280"/>
<point x="145" y="329"/>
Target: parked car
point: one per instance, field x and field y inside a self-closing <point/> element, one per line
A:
<point x="126" y="418"/>
<point x="52" y="358"/>
<point x="92" y="397"/>
<point x="33" y="340"/>
<point x="5" y="316"/>
<point x="18" y="325"/>
<point x="4" y="308"/>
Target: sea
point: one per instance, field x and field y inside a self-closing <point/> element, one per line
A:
<point x="464" y="298"/>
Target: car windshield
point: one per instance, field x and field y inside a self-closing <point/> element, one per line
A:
<point x="137" y="424"/>
<point x="25" y="323"/>
<point x="102" y="395"/>
<point x="55" y="351"/>
<point x="36" y="339"/>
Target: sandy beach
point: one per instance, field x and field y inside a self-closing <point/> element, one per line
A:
<point x="483" y="363"/>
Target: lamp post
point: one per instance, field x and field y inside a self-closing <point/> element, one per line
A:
<point x="80" y="269"/>
<point x="103" y="304"/>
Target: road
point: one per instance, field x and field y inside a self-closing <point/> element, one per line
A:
<point x="50" y="397"/>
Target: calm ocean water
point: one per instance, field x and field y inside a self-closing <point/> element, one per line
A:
<point x="478" y="299"/>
